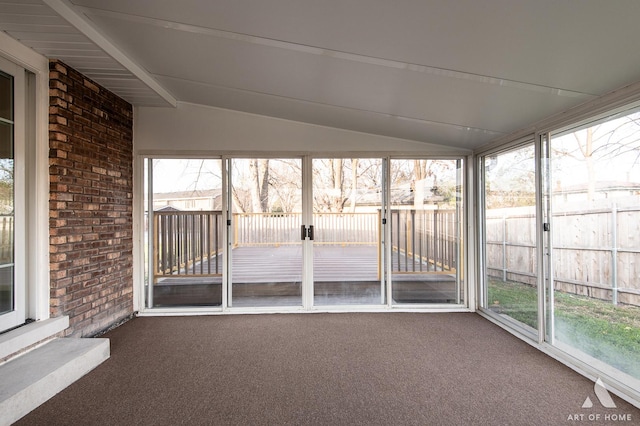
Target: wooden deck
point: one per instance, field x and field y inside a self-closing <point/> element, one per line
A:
<point x="272" y="276"/>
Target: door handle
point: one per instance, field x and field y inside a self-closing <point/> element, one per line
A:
<point x="306" y="231"/>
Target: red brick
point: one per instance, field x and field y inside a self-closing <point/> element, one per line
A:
<point x="91" y="192"/>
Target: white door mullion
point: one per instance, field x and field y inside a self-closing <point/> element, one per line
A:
<point x="385" y="234"/>
<point x="227" y="220"/>
<point x="307" y="245"/>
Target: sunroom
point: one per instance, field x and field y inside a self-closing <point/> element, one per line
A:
<point x="201" y="158"/>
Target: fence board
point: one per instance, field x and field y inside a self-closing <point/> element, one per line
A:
<point x="596" y="252"/>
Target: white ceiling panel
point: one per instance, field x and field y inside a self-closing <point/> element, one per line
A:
<point x="18" y="27"/>
<point x="550" y="39"/>
<point x="25" y="8"/>
<point x="447" y="134"/>
<point x="458" y="73"/>
<point x="65" y="45"/>
<point x="32" y="20"/>
<point x="36" y="40"/>
<point x="327" y="80"/>
<point x="84" y="64"/>
<point x="38" y="26"/>
<point x="71" y="50"/>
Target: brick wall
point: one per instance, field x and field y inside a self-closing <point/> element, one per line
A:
<point x="91" y="192"/>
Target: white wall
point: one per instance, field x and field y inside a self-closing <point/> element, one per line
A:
<point x="200" y="130"/>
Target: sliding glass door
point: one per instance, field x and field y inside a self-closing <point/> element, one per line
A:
<point x="347" y="243"/>
<point x="254" y="233"/>
<point x="266" y="248"/>
<point x="425" y="218"/>
<point x="560" y="242"/>
<point x="183" y="232"/>
<point x="594" y="192"/>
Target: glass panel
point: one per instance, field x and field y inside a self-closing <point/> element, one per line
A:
<point x="186" y="263"/>
<point x="266" y="258"/>
<point x="595" y="196"/>
<point x="347" y="200"/>
<point x="510" y="274"/>
<point x="425" y="217"/>
<point x="6" y="96"/>
<point x="7" y="289"/>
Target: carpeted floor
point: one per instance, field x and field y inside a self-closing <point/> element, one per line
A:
<point x="325" y="369"/>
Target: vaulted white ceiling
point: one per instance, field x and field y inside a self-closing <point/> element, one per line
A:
<point x="458" y="73"/>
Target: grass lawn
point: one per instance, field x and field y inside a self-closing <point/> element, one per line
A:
<point x="598" y="328"/>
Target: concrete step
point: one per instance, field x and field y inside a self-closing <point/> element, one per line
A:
<point x="31" y="379"/>
<point x="14" y="342"/>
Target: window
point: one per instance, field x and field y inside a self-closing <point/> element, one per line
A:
<point x="594" y="181"/>
<point x="560" y="243"/>
<point x="12" y="211"/>
<point x="509" y="194"/>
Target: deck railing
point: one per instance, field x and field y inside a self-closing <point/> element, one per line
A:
<point x="189" y="243"/>
<point x="259" y="229"/>
<point x="424" y="240"/>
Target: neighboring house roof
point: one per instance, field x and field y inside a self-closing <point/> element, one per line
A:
<point x="192" y="194"/>
<point x="166" y="209"/>
<point x="214" y="196"/>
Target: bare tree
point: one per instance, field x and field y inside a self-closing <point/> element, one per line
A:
<point x="6" y="185"/>
<point x="603" y="143"/>
<point x="354" y="184"/>
<point x="425" y="177"/>
<point x="259" y="170"/>
<point x="586" y="149"/>
<point x="241" y="204"/>
<point x="286" y="184"/>
<point x="337" y="182"/>
<point x="510" y="179"/>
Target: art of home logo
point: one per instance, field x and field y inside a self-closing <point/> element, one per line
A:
<point x="605" y="400"/>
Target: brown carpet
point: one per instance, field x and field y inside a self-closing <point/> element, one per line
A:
<point x="324" y="369"/>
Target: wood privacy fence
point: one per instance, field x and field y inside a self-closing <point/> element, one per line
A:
<point x="189" y="243"/>
<point x="596" y="252"/>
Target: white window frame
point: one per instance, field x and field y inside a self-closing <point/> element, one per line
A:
<point x="17" y="316"/>
<point x="33" y="253"/>
<point x="140" y="292"/>
<point x="605" y="106"/>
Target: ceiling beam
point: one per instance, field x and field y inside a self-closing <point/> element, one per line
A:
<point x="82" y="24"/>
